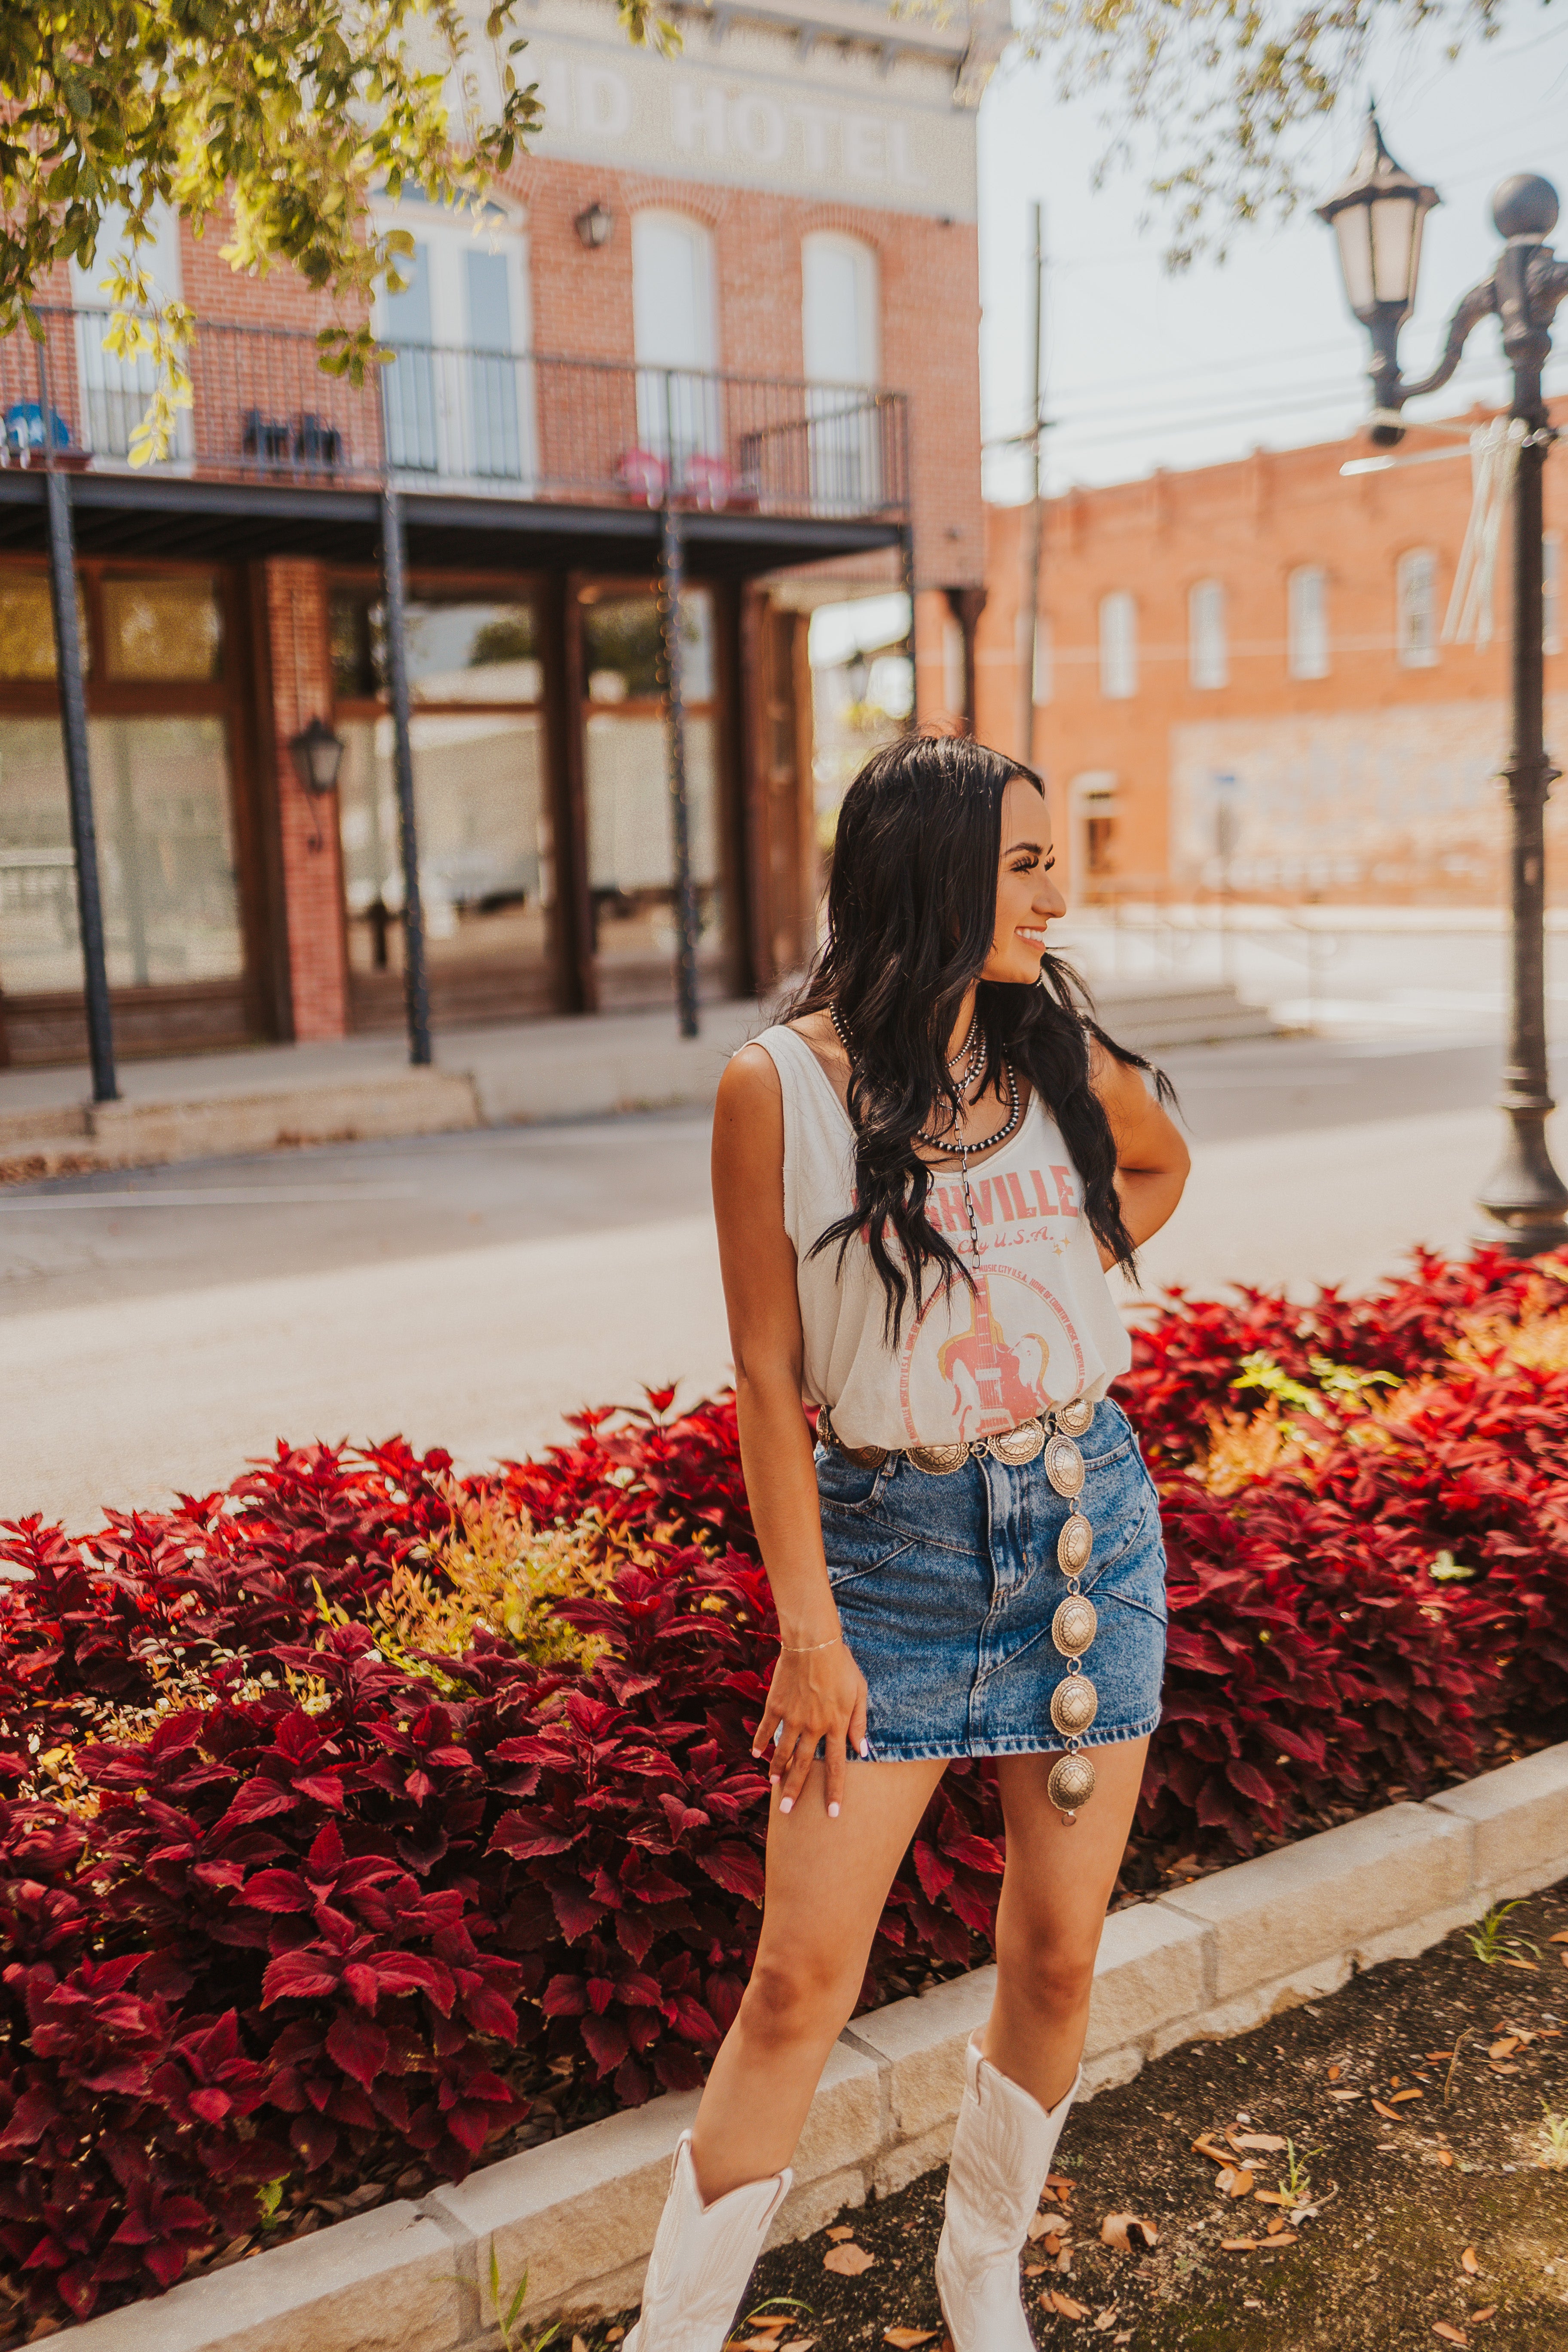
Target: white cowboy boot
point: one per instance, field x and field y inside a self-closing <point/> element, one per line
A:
<point x="1002" y="2151"/>
<point x="702" y="2259"/>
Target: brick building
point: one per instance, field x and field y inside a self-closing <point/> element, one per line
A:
<point x="742" y="283"/>
<point x="1240" y="679"/>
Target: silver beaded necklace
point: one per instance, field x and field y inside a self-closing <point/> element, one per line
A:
<point x="962" y="1152"/>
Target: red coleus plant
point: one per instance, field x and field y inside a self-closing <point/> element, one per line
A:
<point x="315" y="1912"/>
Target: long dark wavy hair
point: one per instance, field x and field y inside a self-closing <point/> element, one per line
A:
<point x="912" y="911"/>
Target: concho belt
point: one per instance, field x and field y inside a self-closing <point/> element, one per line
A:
<point x="1075" y="1703"/>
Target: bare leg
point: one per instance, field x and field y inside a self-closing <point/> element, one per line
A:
<point x="826" y="1882"/>
<point x="1057" y="1883"/>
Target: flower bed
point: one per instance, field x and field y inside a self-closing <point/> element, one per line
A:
<point x="358" y="1819"/>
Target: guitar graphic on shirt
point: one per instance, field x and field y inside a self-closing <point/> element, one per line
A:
<point x="988" y="1379"/>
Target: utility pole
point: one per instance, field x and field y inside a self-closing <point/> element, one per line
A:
<point x="1032" y="533"/>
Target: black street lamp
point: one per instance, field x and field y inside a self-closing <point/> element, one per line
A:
<point x="1377" y="218"/>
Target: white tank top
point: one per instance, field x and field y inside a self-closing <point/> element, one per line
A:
<point x="1039" y="1327"/>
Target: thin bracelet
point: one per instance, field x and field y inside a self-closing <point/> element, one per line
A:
<point x="810" y="1649"/>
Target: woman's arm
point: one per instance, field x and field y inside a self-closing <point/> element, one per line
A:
<point x="1152" y="1161"/>
<point x="818" y="1693"/>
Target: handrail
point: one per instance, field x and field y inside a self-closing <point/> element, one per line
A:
<point x="530" y="426"/>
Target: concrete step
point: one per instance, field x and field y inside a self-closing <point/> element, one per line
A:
<point x="69" y="1140"/>
<point x="1201" y="1014"/>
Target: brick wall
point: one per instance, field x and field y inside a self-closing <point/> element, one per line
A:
<point x="302" y="689"/>
<point x="1371" y="781"/>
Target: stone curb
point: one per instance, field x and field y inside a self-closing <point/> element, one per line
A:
<point x="1212" y="1958"/>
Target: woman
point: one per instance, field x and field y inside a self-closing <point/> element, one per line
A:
<point x="919" y="1179"/>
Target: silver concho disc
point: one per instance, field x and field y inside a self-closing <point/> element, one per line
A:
<point x="1075" y="1625"/>
<point x="1071" y="1783"/>
<point x="1073" y="1418"/>
<point x="1064" y="1466"/>
<point x="939" y="1461"/>
<point x="1020" y="1444"/>
<point x="1075" y="1703"/>
<point x="1074" y="1545"/>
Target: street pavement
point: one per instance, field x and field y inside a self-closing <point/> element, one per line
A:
<point x="158" y="1329"/>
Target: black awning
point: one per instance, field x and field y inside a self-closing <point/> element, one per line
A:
<point x="177" y="520"/>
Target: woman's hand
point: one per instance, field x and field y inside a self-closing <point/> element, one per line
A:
<point x="817" y="1695"/>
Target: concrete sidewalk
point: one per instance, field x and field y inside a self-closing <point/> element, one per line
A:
<point x="356" y="1089"/>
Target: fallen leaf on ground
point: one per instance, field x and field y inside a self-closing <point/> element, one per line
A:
<point x="906" y="2336"/>
<point x="579" y="2343"/>
<point x="1468" y="2262"/>
<point x="1275" y="2197"/>
<point x="1510" y="1962"/>
<point x="1444" y="2155"/>
<point x="1118" y="2229"/>
<point x="1038" y="2225"/>
<point x="1398" y="2096"/>
<point x="1389" y="2112"/>
<point x="1499" y="2067"/>
<point x="1560" y="1937"/>
<point x="1433" y="2056"/>
<point x="1239" y="2245"/>
<point x="840" y="2235"/>
<point x="1235" y="2183"/>
<point x="1268" y="2142"/>
<point x="1106" y="2318"/>
<point x="847" y="2261"/>
<point x="1345" y="2095"/>
<point x="1505" y="2048"/>
<point x="1477" y="2317"/>
<point x="1063" y="2187"/>
<point x="1334" y="2074"/>
<point x="1285" y="2238"/>
<point x="1204" y="2145"/>
<point x="1054" y="2300"/>
<point x="1449" y="2334"/>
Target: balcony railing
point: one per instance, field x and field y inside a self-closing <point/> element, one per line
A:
<point x="533" y="425"/>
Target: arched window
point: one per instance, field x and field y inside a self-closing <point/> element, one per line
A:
<point x="1417" y="639"/>
<point x="841" y="337"/>
<point x="1307" y="621"/>
<point x="460" y="394"/>
<point x="1119" y="647"/>
<point x="1208" y="650"/>
<point x="841" y="341"/>
<point x="674" y="329"/>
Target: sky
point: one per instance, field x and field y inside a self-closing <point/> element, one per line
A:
<point x="1146" y="369"/>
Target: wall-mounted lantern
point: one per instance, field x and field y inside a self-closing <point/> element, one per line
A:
<point x="594" y="226"/>
<point x="317" y="756"/>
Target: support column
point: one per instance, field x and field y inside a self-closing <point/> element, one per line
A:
<point x="671" y="575"/>
<point x="415" y="987"/>
<point x="78" y="778"/>
<point x="297" y="687"/>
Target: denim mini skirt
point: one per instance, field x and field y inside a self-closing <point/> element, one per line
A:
<point x="946" y="1589"/>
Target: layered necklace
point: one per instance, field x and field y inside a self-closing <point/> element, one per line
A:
<point x="972" y="1054"/>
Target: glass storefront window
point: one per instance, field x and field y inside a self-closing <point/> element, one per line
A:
<point x="168" y="631"/>
<point x="621" y="651"/>
<point x="631" y="864"/>
<point x="477" y="651"/>
<point x="486" y="867"/>
<point x="28" y="627"/>
<point x="166" y="867"/>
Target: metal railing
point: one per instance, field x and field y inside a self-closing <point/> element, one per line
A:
<point x="533" y="425"/>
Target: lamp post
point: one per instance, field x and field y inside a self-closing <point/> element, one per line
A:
<point x="1377" y="218"/>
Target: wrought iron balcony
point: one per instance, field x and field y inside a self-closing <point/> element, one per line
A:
<point x="484" y="424"/>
